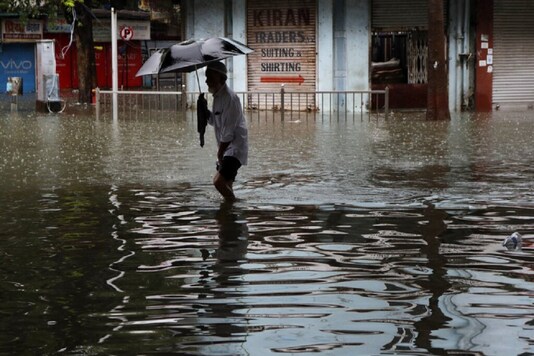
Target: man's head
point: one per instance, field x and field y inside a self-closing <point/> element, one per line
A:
<point x="216" y="75"/>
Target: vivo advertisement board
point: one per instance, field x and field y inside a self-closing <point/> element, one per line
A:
<point x="18" y="60"/>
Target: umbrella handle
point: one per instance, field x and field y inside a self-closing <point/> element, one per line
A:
<point x="198" y="80"/>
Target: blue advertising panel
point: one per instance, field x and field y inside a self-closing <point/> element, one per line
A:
<point x="18" y="60"/>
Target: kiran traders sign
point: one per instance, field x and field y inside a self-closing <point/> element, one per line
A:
<point x="14" y="30"/>
<point x="283" y="35"/>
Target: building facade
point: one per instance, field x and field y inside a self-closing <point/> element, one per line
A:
<point x="306" y="45"/>
<point x="324" y="45"/>
<point x="312" y="46"/>
<point x="504" y="52"/>
<point x="19" y="48"/>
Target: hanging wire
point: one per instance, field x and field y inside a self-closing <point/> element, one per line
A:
<point x="65" y="49"/>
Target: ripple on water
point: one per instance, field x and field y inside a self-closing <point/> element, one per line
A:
<point x="265" y="279"/>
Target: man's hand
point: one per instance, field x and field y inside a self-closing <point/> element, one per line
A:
<point x="202" y="103"/>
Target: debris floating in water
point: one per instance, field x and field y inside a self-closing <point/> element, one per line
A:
<point x="513" y="242"/>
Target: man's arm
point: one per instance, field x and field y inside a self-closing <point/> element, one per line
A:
<point x="222" y="148"/>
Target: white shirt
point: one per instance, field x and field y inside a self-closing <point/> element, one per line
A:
<point x="229" y="123"/>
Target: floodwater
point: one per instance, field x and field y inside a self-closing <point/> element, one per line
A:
<point x="352" y="236"/>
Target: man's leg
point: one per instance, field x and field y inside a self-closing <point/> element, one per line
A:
<point x="224" y="178"/>
<point x="224" y="186"/>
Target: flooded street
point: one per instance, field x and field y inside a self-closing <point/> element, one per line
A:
<point x="351" y="236"/>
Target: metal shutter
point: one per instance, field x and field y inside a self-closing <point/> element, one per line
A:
<point x="399" y="15"/>
<point x="513" y="48"/>
<point x="283" y="36"/>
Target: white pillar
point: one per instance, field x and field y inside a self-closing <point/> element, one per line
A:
<point x="114" y="64"/>
<point x="358" y="29"/>
<point x="204" y="18"/>
<point x="325" y="45"/>
<point x="239" y="33"/>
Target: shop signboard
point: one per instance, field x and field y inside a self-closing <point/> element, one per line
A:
<point x="102" y="30"/>
<point x="283" y="36"/>
<point x="59" y="25"/>
<point x="15" y="30"/>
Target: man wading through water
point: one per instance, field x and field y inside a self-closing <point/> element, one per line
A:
<point x="230" y="127"/>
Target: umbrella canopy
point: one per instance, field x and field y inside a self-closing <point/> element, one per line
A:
<point x="190" y="55"/>
<point x="153" y="64"/>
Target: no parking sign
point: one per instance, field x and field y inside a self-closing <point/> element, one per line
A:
<point x="126" y="33"/>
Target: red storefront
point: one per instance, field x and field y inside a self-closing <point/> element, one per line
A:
<point x="129" y="62"/>
<point x="129" y="53"/>
<point x="66" y="60"/>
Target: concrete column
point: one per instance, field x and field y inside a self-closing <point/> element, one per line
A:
<point x="453" y="55"/>
<point x="358" y="22"/>
<point x="437" y="95"/>
<point x="325" y="45"/>
<point x="239" y="24"/>
<point x="204" y="18"/>
<point x="358" y="28"/>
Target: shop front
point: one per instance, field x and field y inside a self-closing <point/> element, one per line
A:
<point x="66" y="53"/>
<point x="17" y="55"/>
<point x="510" y="57"/>
<point x="131" y="35"/>
<point x="129" y="52"/>
<point x="283" y="35"/>
<point x="399" y="51"/>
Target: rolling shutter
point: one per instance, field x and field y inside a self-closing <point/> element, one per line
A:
<point x="513" y="67"/>
<point x="283" y="36"/>
<point x="399" y="15"/>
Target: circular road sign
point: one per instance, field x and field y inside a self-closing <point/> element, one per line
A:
<point x="126" y="33"/>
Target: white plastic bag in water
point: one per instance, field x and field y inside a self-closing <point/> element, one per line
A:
<point x="513" y="242"/>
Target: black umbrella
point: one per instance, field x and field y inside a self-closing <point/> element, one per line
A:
<point x="189" y="56"/>
<point x="152" y="65"/>
<point x="203" y="115"/>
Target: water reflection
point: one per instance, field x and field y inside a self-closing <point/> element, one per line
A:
<point x="437" y="283"/>
<point x="224" y="283"/>
<point x="352" y="237"/>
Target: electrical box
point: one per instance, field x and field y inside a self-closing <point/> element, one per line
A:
<point x="45" y="68"/>
<point x="51" y="87"/>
